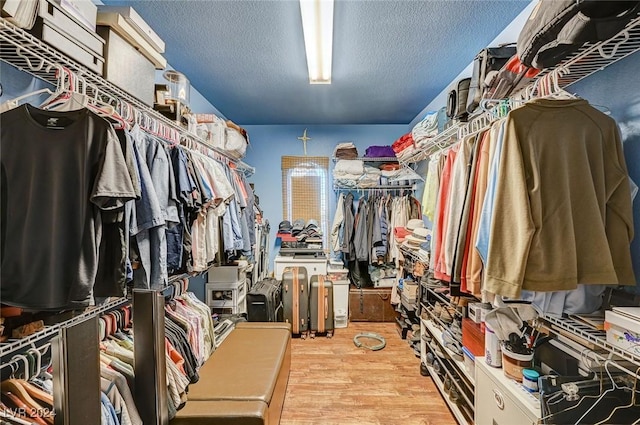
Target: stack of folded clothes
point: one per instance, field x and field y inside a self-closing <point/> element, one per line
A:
<point x="404" y="146"/>
<point x="345" y="150"/>
<point x="425" y="130"/>
<point x="379" y="152"/>
<point x="347" y="172"/>
<point x="370" y="178"/>
<point x="353" y="173"/>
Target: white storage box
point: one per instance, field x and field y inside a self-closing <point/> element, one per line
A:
<point x="341" y="318"/>
<point x="227" y="297"/>
<point x="55" y="16"/>
<point x="84" y="11"/>
<point x="108" y="17"/>
<point x="478" y="311"/>
<point x="127" y="68"/>
<point x="340" y="301"/>
<point x="385" y="282"/>
<point x="226" y="274"/>
<point x="623" y="328"/>
<point x="137" y="23"/>
<point x="68" y="46"/>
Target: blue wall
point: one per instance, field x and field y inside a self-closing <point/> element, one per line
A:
<point x="270" y="142"/>
<point x="617" y="88"/>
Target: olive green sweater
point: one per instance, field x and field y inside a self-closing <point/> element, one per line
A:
<point x="562" y="212"/>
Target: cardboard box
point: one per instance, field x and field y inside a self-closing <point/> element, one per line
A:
<point x="478" y="311"/>
<point x="623" y="328"/>
<point x="226" y="274"/>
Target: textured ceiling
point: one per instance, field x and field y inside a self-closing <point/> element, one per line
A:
<point x="390" y="58"/>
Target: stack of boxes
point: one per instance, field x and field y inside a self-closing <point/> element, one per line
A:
<point x="113" y="42"/>
<point x="226" y="290"/>
<point x="339" y="276"/>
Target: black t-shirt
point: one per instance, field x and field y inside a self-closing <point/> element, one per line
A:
<point x="59" y="170"/>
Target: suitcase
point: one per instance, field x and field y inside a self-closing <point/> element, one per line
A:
<point x="295" y="299"/>
<point x="264" y="301"/>
<point x="371" y="305"/>
<point x="321" y="306"/>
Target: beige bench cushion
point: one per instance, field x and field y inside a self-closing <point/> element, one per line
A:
<point x="223" y="412"/>
<point x="245" y="367"/>
<point x="264" y="325"/>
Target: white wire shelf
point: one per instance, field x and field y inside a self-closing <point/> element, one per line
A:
<point x="595" y="337"/>
<point x="14" y="345"/>
<point x="589" y="59"/>
<point x="371" y="159"/>
<point x="29" y="54"/>
<point x="376" y="187"/>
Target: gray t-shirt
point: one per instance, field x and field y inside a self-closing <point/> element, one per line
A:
<point x="59" y="171"/>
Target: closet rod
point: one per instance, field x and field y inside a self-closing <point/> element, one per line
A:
<point x="49" y="331"/>
<point x="31" y="55"/>
<point x="378" y="187"/>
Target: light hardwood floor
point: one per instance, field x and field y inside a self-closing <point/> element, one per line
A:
<point x="332" y="382"/>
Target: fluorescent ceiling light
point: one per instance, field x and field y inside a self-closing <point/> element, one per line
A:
<point x="317" y="25"/>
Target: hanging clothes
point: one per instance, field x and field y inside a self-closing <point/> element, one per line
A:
<point x="76" y="170"/>
<point x="562" y="212"/>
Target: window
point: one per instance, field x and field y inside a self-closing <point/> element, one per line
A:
<point x="305" y="181"/>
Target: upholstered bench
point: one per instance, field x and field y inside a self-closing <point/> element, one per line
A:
<point x="244" y="381"/>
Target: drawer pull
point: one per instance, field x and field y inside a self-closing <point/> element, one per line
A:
<point x="499" y="399"/>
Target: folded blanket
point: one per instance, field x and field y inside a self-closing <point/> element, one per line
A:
<point x="372" y="170"/>
<point x="379" y="152"/>
<point x="348" y="176"/>
<point x="351" y="166"/>
<point x="346" y="153"/>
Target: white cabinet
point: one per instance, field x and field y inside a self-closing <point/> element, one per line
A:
<point x="227" y="297"/>
<point x="502" y="401"/>
<point x="313" y="265"/>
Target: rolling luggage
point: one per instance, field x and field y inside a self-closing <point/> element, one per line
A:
<point x="295" y="299"/>
<point x="264" y="301"/>
<point x="321" y="306"/>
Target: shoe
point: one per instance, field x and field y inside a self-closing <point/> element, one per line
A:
<point x="456" y="330"/>
<point x="453" y="395"/>
<point x="447" y="314"/>
<point x="447" y="385"/>
<point x="430" y="359"/>
<point x="455" y="351"/>
<point x="437" y="309"/>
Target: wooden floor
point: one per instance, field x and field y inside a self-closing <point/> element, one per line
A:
<point x="334" y="382"/>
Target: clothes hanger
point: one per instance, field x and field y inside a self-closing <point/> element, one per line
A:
<point x="613" y="388"/>
<point x="631" y="403"/>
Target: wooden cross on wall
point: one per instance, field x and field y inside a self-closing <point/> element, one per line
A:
<point x="304" y="140"/>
